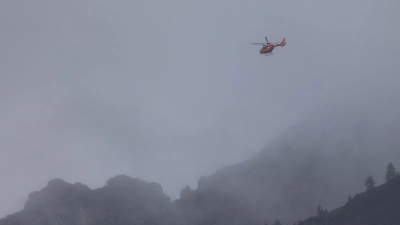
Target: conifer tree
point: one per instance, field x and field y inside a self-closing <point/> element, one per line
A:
<point x="390" y="172"/>
<point x="369" y="183"/>
<point x="349" y="198"/>
<point x="321" y="212"/>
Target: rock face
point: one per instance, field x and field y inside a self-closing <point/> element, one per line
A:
<point x="123" y="200"/>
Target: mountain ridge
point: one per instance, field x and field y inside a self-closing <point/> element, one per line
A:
<point x="317" y="162"/>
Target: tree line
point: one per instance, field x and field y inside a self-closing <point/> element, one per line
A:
<point x="369" y="183"/>
<point x="390" y="174"/>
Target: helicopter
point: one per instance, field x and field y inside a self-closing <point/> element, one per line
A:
<point x="268" y="47"/>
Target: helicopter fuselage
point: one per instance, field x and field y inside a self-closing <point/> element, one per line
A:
<point x="267" y="48"/>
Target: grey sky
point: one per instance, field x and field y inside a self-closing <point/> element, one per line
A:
<point x="168" y="91"/>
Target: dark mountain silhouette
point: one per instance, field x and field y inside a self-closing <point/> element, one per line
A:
<point x="380" y="205"/>
<point x="123" y="200"/>
<point x="320" y="161"/>
<point x="317" y="162"/>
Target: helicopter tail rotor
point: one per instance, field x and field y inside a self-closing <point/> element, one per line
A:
<point x="283" y="43"/>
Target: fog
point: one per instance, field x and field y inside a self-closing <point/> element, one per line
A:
<point x="168" y="91"/>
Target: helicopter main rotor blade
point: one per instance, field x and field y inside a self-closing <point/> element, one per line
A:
<point x="258" y="43"/>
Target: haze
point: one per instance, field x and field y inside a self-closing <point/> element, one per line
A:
<point x="168" y="91"/>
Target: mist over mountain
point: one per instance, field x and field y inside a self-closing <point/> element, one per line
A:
<point x="320" y="161"/>
<point x="169" y="91"/>
<point x="317" y="162"/>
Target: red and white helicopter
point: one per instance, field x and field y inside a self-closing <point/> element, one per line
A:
<point x="268" y="47"/>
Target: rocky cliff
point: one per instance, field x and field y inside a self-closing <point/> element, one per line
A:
<point x="123" y="200"/>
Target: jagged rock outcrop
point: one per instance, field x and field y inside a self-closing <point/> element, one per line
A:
<point x="123" y="201"/>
